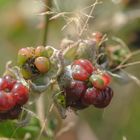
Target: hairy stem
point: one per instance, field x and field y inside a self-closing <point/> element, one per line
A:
<point x="88" y="18"/>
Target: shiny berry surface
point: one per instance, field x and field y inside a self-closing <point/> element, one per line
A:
<point x="3" y="84"/>
<point x="78" y="73"/>
<point x="13" y="94"/>
<point x="20" y="93"/>
<point x="84" y="85"/>
<point x="82" y="69"/>
<point x="6" y="101"/>
<point x="24" y="54"/>
<point x="107" y="78"/>
<point x="90" y="96"/>
<point x="42" y="64"/>
<point x="7" y="82"/>
<point x="10" y="81"/>
<point x="103" y="98"/>
<point x="100" y="80"/>
<point x="85" y="64"/>
<point x="75" y="90"/>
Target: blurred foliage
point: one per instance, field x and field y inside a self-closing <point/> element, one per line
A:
<point x="20" y="26"/>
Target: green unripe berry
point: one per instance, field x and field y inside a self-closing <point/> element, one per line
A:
<point x="24" y="54"/>
<point x="49" y="50"/>
<point x="43" y="51"/>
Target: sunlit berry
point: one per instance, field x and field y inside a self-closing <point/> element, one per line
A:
<point x="41" y="51"/>
<point x="6" y="101"/>
<point x="7" y="83"/>
<point x="10" y="81"/>
<point x="20" y="93"/>
<point x="42" y="64"/>
<point x="100" y="80"/>
<point x="24" y="54"/>
<point x="82" y="69"/>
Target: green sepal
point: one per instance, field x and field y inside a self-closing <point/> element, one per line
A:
<point x="21" y="60"/>
<point x="49" y="51"/>
<point x="26" y="74"/>
<point x="60" y="98"/>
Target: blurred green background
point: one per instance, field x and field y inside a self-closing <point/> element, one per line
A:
<point x="21" y="26"/>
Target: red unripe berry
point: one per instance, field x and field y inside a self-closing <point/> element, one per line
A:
<point x="20" y="93"/>
<point x="82" y="69"/>
<point x="7" y="83"/>
<point x="6" y="101"/>
<point x="107" y="78"/>
<point x="78" y="73"/>
<point x="86" y="64"/>
<point x="10" y="81"/>
<point x="97" y="36"/>
<point x="100" y="80"/>
<point x="3" y="84"/>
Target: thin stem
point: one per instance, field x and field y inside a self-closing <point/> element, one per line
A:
<point x="40" y="102"/>
<point x="88" y="18"/>
<point x="126" y="65"/>
<point x="122" y="64"/>
<point x="45" y="30"/>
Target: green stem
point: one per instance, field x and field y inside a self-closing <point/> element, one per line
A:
<point x="45" y="30"/>
<point x="40" y="102"/>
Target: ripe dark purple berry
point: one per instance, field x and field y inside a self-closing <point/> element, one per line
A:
<point x="14" y="112"/>
<point x="11" y="114"/>
<point x="90" y="96"/>
<point x="83" y="92"/>
<point x="103" y="98"/>
<point x="77" y="105"/>
<point x="75" y="90"/>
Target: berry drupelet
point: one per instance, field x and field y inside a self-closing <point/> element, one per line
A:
<point x="13" y="95"/>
